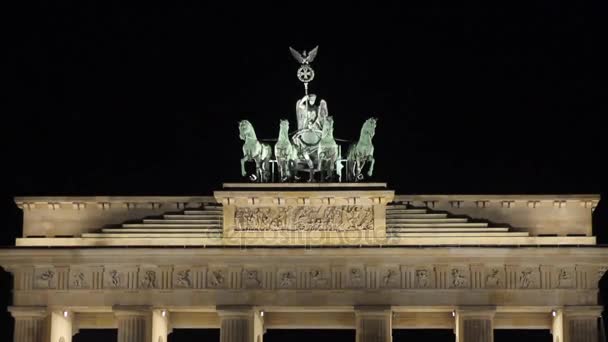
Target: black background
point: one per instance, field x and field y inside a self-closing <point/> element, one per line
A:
<point x="118" y="98"/>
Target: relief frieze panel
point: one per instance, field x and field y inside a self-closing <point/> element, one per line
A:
<point x="322" y="276"/>
<point x="304" y="218"/>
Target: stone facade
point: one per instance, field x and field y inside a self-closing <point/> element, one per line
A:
<point x="405" y="271"/>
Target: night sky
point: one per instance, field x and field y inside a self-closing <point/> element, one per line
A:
<point x="112" y="98"/>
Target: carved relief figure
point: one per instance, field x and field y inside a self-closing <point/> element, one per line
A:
<point x="422" y="278"/>
<point x="78" y="280"/>
<point x="251" y="279"/>
<point x="47" y="277"/>
<point x="525" y="279"/>
<point x="493" y="278"/>
<point x="305" y="218"/>
<point x="458" y="278"/>
<point x="115" y="278"/>
<point x="216" y="278"/>
<point x="183" y="278"/>
<point x="317" y="278"/>
<point x="287" y="279"/>
<point x="390" y="277"/>
<point x="564" y="278"/>
<point x="356" y="277"/>
<point x="149" y="280"/>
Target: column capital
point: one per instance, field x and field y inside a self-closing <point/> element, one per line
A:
<point x="485" y="312"/>
<point x="589" y="311"/>
<point x="28" y="311"/>
<point x="373" y="310"/>
<point x="131" y="310"/>
<point x="234" y="310"/>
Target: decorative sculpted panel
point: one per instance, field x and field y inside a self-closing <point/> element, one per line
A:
<point x="305" y="218"/>
<point x="322" y="276"/>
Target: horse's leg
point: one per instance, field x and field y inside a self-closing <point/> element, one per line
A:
<point x="360" y="166"/>
<point x="243" y="160"/>
<point x="371" y="166"/>
<point x="332" y="164"/>
<point x="280" y="165"/>
<point x="258" y="169"/>
<point x="311" y="167"/>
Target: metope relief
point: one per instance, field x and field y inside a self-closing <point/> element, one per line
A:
<point x="390" y="278"/>
<point x="528" y="278"/>
<point x="356" y="277"/>
<point x="217" y="278"/>
<point x="148" y="279"/>
<point x="45" y="278"/>
<point x="287" y="279"/>
<point x="493" y="278"/>
<point x="79" y="279"/>
<point x="565" y="278"/>
<point x="182" y="278"/>
<point x="115" y="279"/>
<point x="422" y="278"/>
<point x="304" y="218"/>
<point x="252" y="279"/>
<point x="319" y="278"/>
<point x="459" y="278"/>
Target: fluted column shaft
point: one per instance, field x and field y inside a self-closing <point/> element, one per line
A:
<point x="474" y="324"/>
<point x="576" y="324"/>
<point x="30" y="324"/>
<point x="134" y="324"/>
<point x="240" y="324"/>
<point x="374" y="324"/>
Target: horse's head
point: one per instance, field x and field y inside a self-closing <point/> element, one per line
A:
<point x="369" y="127"/>
<point x="328" y="126"/>
<point x="284" y="125"/>
<point x="245" y="129"/>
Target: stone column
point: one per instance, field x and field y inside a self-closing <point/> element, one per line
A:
<point x="374" y="324"/>
<point x="30" y="324"/>
<point x="240" y="324"/>
<point x="474" y="324"/>
<point x="160" y="325"/>
<point x="134" y="323"/>
<point x="576" y="324"/>
<point x="61" y="326"/>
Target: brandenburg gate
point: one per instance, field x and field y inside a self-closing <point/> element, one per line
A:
<point x="309" y="243"/>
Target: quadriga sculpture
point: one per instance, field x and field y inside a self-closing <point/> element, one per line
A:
<point x="328" y="151"/>
<point x="285" y="153"/>
<point x="362" y="152"/>
<point x="255" y="151"/>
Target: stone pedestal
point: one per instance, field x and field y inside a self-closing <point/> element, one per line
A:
<point x="240" y="324"/>
<point x="30" y="324"/>
<point x="474" y="324"/>
<point x="374" y="324"/>
<point x="576" y="324"/>
<point x="134" y="323"/>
